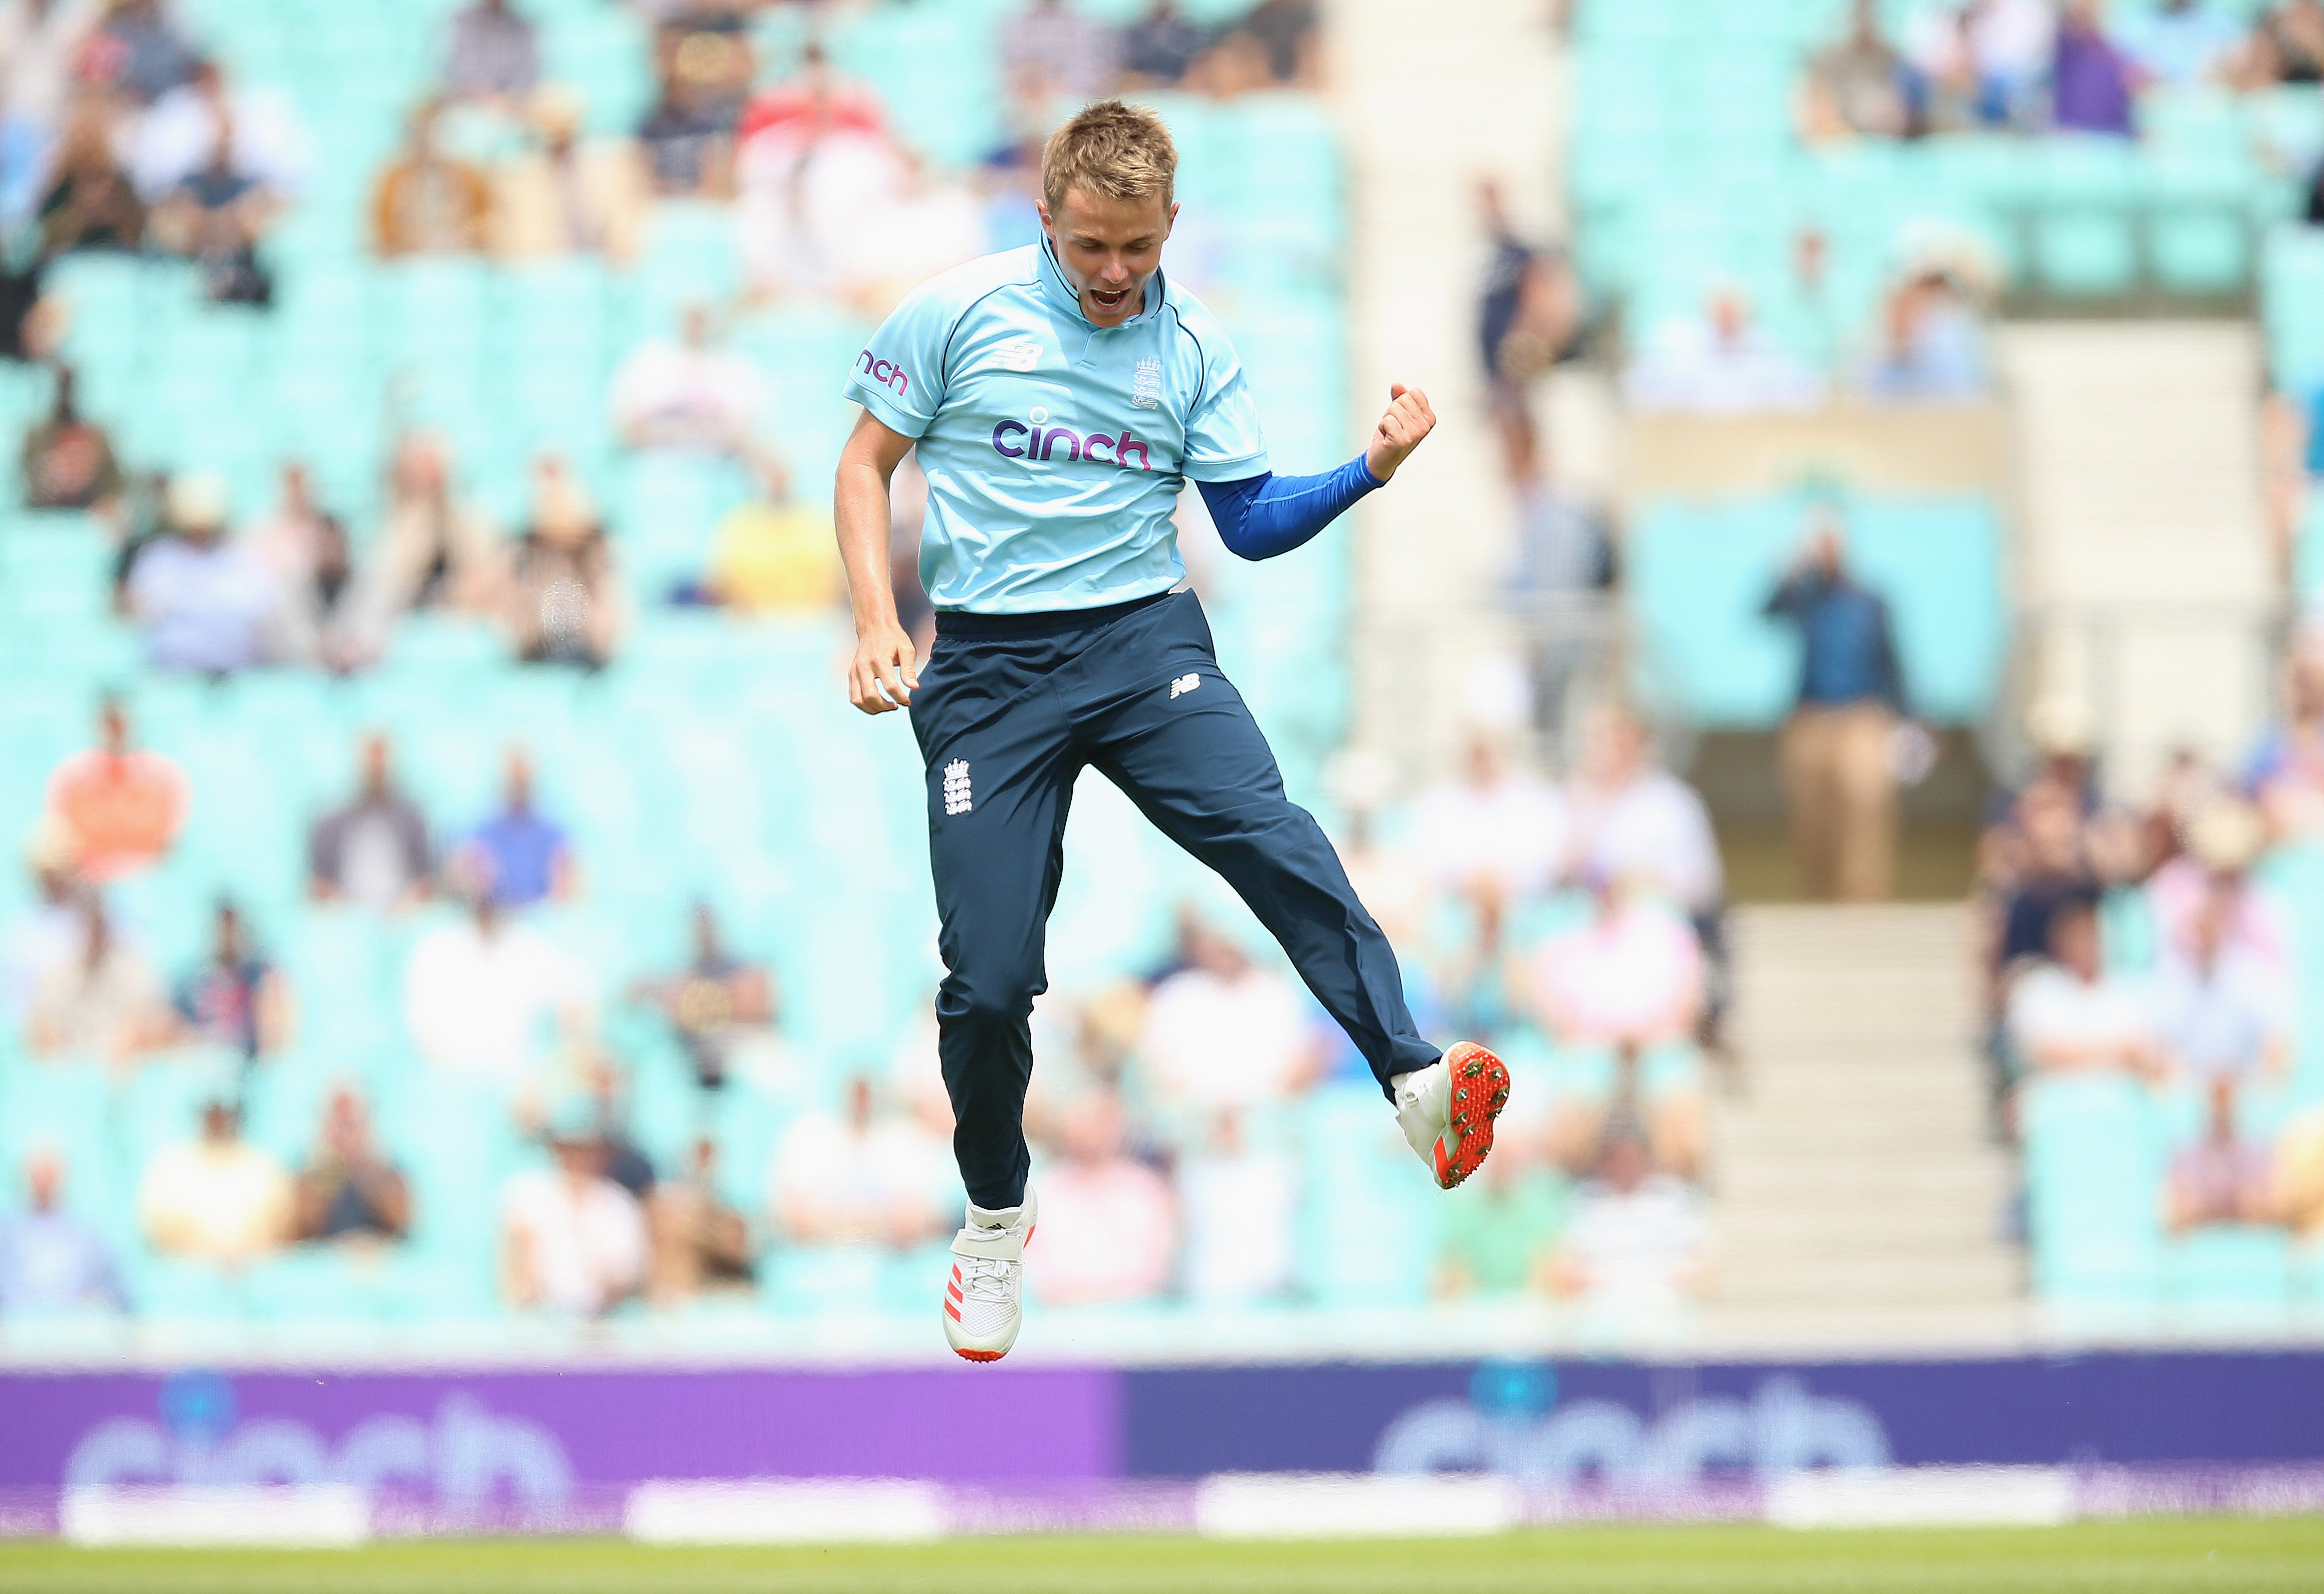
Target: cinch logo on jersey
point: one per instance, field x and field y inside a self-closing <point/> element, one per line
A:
<point x="886" y="373"/>
<point x="1014" y="439"/>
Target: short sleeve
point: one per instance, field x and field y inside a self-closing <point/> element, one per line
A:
<point x="1222" y="437"/>
<point x="899" y="376"/>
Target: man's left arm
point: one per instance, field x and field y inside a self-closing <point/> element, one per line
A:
<point x="1261" y="516"/>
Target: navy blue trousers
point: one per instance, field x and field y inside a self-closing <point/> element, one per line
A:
<point x="1010" y="711"/>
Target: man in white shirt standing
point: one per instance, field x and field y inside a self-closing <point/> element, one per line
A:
<point x="573" y="1241"/>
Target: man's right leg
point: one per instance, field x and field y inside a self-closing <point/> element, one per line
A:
<point x="1000" y="779"/>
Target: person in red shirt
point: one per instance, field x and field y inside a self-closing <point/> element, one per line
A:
<point x="121" y="806"/>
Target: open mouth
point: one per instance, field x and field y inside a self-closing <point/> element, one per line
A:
<point x="1109" y="300"/>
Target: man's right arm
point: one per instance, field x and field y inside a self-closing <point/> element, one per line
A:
<point x="884" y="671"/>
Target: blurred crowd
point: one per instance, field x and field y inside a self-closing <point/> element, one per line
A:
<point x="1574" y="924"/>
<point x="2042" y="66"/>
<point x="2156" y="942"/>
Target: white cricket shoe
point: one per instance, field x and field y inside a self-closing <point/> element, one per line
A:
<point x="984" y="1302"/>
<point x="1447" y="1109"/>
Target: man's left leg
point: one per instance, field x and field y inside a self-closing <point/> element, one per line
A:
<point x="1197" y="765"/>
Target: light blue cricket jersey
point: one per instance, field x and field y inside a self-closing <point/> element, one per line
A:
<point x="1055" y="450"/>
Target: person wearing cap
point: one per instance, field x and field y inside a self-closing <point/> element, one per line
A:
<point x="215" y="1198"/>
<point x="204" y="601"/>
<point x="572" y="1241"/>
<point x="119" y="808"/>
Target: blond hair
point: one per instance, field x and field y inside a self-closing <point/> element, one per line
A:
<point x="1112" y="150"/>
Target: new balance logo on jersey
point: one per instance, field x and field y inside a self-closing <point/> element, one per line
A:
<point x="1185" y="684"/>
<point x="1020" y="354"/>
<point x="958" y="798"/>
<point x="886" y="373"/>
<point x="1146" y="386"/>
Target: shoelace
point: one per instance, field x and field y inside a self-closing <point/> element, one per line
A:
<point x="985" y="1278"/>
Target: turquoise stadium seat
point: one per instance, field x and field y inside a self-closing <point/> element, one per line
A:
<point x="2093" y="1169"/>
<point x="1700" y="574"/>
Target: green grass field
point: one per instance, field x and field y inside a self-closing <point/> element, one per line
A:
<point x="2216" y="1554"/>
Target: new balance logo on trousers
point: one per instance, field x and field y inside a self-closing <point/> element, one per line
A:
<point x="1184" y="683"/>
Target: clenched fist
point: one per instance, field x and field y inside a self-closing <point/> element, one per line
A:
<point x="1408" y="419"/>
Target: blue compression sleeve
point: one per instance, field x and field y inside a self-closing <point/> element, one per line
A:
<point x="1260" y="517"/>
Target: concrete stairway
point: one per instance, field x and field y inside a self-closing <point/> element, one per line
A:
<point x="1427" y="106"/>
<point x="2142" y="551"/>
<point x="1857" y="1194"/>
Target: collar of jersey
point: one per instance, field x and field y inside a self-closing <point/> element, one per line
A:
<point x="1060" y="293"/>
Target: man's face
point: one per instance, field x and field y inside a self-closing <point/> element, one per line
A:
<point x="1108" y="249"/>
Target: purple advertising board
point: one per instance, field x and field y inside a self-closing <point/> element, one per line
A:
<point x="541" y="1438"/>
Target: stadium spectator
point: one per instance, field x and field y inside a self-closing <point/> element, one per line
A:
<point x="434" y="549"/>
<point x="1500" y="1236"/>
<point x="2225" y="838"/>
<point x="561" y="194"/>
<point x="687" y="394"/>
<point x="688" y="138"/>
<point x="2285" y="773"/>
<point x="51" y="1260"/>
<point x="1109" y="1226"/>
<point x="216" y="217"/>
<point x="2091" y="79"/>
<point x="235" y="998"/>
<point x="212" y="123"/>
<point x="1492" y="821"/>
<point x="1628" y="987"/>
<point x="572" y="1241"/>
<point x="859" y="1176"/>
<point x="142" y="50"/>
<point x="90" y="202"/>
<point x="714" y="1002"/>
<point x="1221" y="1031"/>
<point x="372" y="850"/>
<point x="2222" y="1177"/>
<point x="1050" y="49"/>
<point x="39" y="41"/>
<point x="97" y="997"/>
<point x="349" y="1188"/>
<point x="1983" y="63"/>
<point x="216" y="1198"/>
<point x="68" y="459"/>
<point x="1859" y="85"/>
<point x="1285" y="33"/>
<point x="1160" y="46"/>
<point x="564" y="599"/>
<point x="2044" y="861"/>
<point x="121" y="806"/>
<point x="204" y="601"/>
<point x="520" y="855"/>
<point x="2178" y="42"/>
<point x="1932" y="347"/>
<point x="2221" y="1011"/>
<point x="287" y="539"/>
<point x="480" y="993"/>
<point x="2288" y="45"/>
<point x="428" y="202"/>
<point x="1719" y="362"/>
<point x="707" y="43"/>
<point x="606" y="1088"/>
<point x="47" y="929"/>
<point x="2069" y="1014"/>
<point x="491" y="52"/>
<point x="1636" y="1240"/>
<point x="701" y="1240"/>
<point x="774" y="555"/>
<point x="322" y="622"/>
<point x="1240" y="1207"/>
<point x="1838" y="763"/>
<point x="1633" y="820"/>
<point x="1529" y="315"/>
